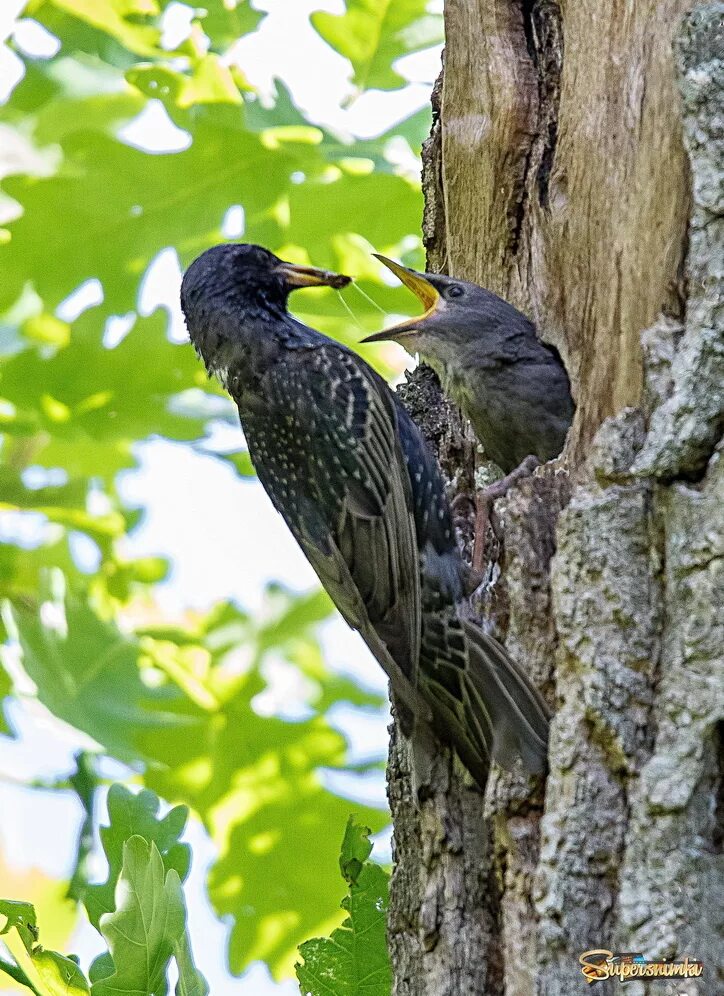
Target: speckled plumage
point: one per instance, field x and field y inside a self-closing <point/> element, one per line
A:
<point x="353" y="478"/>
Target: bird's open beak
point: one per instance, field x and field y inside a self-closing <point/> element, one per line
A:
<point x="310" y="276"/>
<point x="421" y="288"/>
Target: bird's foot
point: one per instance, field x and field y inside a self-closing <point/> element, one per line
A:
<point x="484" y="501"/>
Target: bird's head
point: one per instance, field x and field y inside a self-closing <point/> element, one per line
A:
<point x="457" y="314"/>
<point x="248" y="279"/>
<point x="234" y="300"/>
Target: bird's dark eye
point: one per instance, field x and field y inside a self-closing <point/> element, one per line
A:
<point x="455" y="291"/>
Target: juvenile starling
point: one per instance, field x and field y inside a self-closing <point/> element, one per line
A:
<point x="352" y="477"/>
<point x="512" y="386"/>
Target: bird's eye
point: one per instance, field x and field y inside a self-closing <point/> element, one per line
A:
<point x="455" y="291"/>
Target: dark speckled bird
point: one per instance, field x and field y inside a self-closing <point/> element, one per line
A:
<point x="512" y="386"/>
<point x="355" y="482"/>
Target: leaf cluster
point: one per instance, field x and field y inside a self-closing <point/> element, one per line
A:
<point x="89" y="207"/>
<point x="139" y="911"/>
<point x="353" y="961"/>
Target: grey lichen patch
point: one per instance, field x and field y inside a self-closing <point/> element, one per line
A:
<point x="685" y="428"/>
<point x="673" y="877"/>
<point x="607" y="604"/>
<point x="691" y="683"/>
<point x="583" y="835"/>
<point x="486" y="472"/>
<point x="615" y="446"/>
<point x="658" y="345"/>
<point x="433" y="219"/>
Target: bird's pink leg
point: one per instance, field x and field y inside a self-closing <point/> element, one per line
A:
<point x="486" y="498"/>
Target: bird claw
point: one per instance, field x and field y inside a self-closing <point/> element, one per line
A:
<point x="484" y="502"/>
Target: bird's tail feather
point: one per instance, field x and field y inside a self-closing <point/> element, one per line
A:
<point x="509" y="703"/>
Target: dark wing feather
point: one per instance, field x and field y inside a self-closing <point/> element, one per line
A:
<point x="326" y="449"/>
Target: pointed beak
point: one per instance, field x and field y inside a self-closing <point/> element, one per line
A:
<point x="310" y="276"/>
<point x="421" y="288"/>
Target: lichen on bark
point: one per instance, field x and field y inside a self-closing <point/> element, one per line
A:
<point x="595" y="206"/>
<point x="689" y="421"/>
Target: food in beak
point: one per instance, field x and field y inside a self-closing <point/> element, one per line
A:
<point x="310" y="276"/>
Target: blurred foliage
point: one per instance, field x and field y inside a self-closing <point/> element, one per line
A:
<point x="373" y="34"/>
<point x="5" y="687"/>
<point x="87" y="204"/>
<point x="354" y="960"/>
<point x="140" y="913"/>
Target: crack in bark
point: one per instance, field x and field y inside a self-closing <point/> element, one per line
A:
<point x="543" y="26"/>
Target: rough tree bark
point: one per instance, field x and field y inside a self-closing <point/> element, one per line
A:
<point x="575" y="168"/>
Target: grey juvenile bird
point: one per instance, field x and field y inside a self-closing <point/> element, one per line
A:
<point x="351" y="475"/>
<point x="513" y="387"/>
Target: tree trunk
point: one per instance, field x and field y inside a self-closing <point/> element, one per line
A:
<point x="574" y="167"/>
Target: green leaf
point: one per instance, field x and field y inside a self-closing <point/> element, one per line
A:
<point x="5" y="689"/>
<point x="254" y="783"/>
<point x="190" y="981"/>
<point x="263" y="876"/>
<point x="133" y="205"/>
<point x="14" y="972"/>
<point x="21" y="916"/>
<point x="46" y="973"/>
<point x="372" y="34"/>
<point x="125" y="20"/>
<point x="104" y="112"/>
<point x="225" y="21"/>
<point x="87" y="673"/>
<point x="84" y="782"/>
<point x="17" y="495"/>
<point x="60" y="975"/>
<point x="129" y="396"/>
<point x="241" y="462"/>
<point x="384" y="208"/>
<point x="147" y="927"/>
<point x="23" y="571"/>
<point x="210" y="82"/>
<point x="356" y="848"/>
<point x="130" y="815"/>
<point x="354" y="960"/>
<point x="182" y="702"/>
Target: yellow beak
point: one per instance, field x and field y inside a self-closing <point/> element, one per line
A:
<point x="310" y="276"/>
<point x="421" y="288"/>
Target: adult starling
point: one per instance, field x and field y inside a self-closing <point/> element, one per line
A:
<point x="352" y="477"/>
<point x="512" y="386"/>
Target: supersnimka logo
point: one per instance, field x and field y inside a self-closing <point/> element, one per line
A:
<point x="599" y="964"/>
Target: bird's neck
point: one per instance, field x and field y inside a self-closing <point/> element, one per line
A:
<point x="450" y="374"/>
<point x="238" y="345"/>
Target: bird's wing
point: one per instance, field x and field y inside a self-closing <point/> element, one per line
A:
<point x="326" y="449"/>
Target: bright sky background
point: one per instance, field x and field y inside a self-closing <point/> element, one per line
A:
<point x="228" y="559"/>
